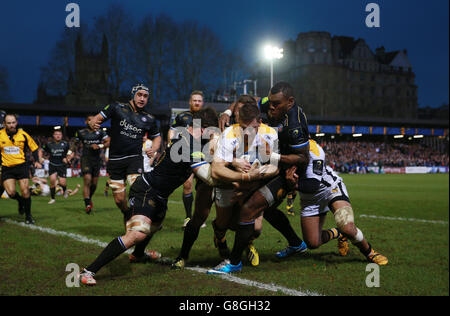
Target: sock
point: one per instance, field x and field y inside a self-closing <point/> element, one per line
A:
<point x="330" y="234"/>
<point x="188" y="199"/>
<point x="280" y="222"/>
<point x="2" y="189"/>
<point x="140" y="247"/>
<point x="87" y="202"/>
<point x="19" y="199"/>
<point x="367" y="252"/>
<point x="64" y="188"/>
<point x="220" y="235"/>
<point x="190" y="236"/>
<point x="27" y="206"/>
<point x="52" y="193"/>
<point x="244" y="234"/>
<point x="112" y="251"/>
<point x="92" y="189"/>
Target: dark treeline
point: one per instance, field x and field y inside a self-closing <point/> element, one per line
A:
<point x="172" y="58"/>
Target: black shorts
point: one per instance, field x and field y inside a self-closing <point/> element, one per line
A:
<point x="144" y="200"/>
<point x="60" y="170"/>
<point x="90" y="165"/>
<point x="121" y="168"/>
<point x="18" y="172"/>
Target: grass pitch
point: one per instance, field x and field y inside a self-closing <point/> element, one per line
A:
<point x="407" y="220"/>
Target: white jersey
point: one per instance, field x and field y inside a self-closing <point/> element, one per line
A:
<point x="317" y="167"/>
<point x="146" y="145"/>
<point x="231" y="144"/>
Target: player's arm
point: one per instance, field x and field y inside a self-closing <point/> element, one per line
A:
<point x="224" y="119"/>
<point x="34" y="150"/>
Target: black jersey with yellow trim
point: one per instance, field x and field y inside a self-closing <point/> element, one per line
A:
<point x="128" y="129"/>
<point x="175" y="165"/>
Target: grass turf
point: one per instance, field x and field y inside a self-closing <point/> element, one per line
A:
<point x="33" y="263"/>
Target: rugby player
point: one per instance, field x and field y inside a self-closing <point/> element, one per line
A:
<point x="182" y="120"/>
<point x="13" y="144"/>
<point x="93" y="141"/>
<point x="60" y="155"/>
<point x="224" y="206"/>
<point x="321" y="189"/>
<point x="284" y="113"/>
<point x="129" y="123"/>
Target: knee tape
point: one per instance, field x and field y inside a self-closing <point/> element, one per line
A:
<point x="139" y="226"/>
<point x="131" y="178"/>
<point x="344" y="216"/>
<point x="117" y="186"/>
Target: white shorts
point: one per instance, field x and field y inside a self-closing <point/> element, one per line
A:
<point x="223" y="197"/>
<point x="313" y="204"/>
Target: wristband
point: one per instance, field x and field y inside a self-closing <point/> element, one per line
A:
<point x="228" y="112"/>
<point x="275" y="159"/>
<point x="101" y="146"/>
<point x="243" y="177"/>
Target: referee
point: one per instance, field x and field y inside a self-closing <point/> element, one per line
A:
<point x="13" y="143"/>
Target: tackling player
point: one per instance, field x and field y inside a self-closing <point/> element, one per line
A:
<point x="2" y="118"/>
<point x="183" y="120"/>
<point x="93" y="141"/>
<point x="129" y="124"/>
<point x="282" y="111"/>
<point x="13" y="144"/>
<point x="321" y="190"/>
<point x="59" y="156"/>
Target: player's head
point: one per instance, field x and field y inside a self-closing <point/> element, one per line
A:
<point x="196" y="101"/>
<point x="281" y="99"/>
<point x="206" y="117"/>
<point x="243" y="99"/>
<point x="10" y="123"/>
<point x="139" y="95"/>
<point x="57" y="134"/>
<point x="249" y="118"/>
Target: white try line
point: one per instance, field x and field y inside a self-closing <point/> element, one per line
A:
<point x="231" y="278"/>
<point x="418" y="220"/>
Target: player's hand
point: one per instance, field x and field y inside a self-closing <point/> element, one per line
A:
<point x="37" y="165"/>
<point x="150" y="153"/>
<point x="95" y="146"/>
<point x="224" y="121"/>
<point x="241" y="165"/>
<point x="292" y="177"/>
<point x="94" y="124"/>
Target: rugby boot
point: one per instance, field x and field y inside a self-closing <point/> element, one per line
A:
<point x="149" y="255"/>
<point x="343" y="247"/>
<point x="252" y="255"/>
<point x="290" y="250"/>
<point x="87" y="277"/>
<point x="377" y="258"/>
<point x="225" y="267"/>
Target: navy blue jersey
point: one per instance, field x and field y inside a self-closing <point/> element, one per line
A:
<point x="57" y="152"/>
<point x="88" y="138"/>
<point x="183" y="119"/>
<point x="175" y="165"/>
<point x="293" y="130"/>
<point x="128" y="129"/>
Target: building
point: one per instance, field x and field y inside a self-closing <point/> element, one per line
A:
<point x="339" y="76"/>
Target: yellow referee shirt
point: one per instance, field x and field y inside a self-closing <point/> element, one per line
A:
<point x="13" y="149"/>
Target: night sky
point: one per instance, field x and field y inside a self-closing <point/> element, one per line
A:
<point x="29" y="30"/>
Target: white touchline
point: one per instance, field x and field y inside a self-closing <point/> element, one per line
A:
<point x="405" y="219"/>
<point x="231" y="278"/>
